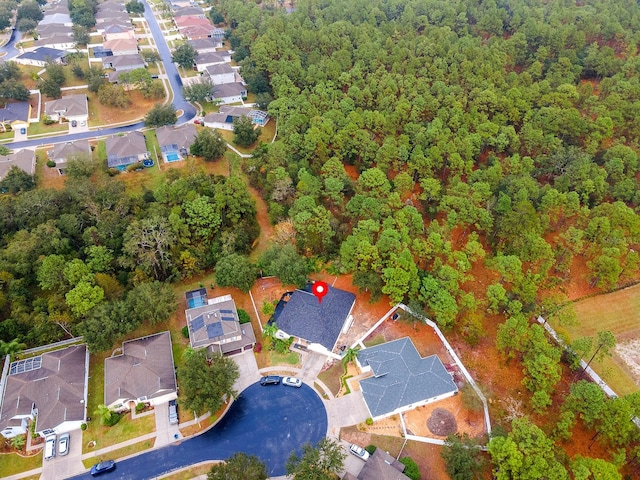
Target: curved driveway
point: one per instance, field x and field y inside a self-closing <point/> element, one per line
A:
<point x="179" y="102"/>
<point x="267" y="421"/>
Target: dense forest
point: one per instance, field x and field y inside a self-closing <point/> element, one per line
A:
<point x="94" y="259"/>
<point x="423" y="142"/>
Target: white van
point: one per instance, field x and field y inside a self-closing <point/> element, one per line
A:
<point x="50" y="447"/>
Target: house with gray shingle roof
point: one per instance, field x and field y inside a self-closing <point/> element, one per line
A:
<point x="123" y="63"/>
<point x="205" y="45"/>
<point x="125" y="150"/>
<point x="229" y="93"/>
<point x="50" y="388"/>
<point x="382" y="466"/>
<point x="71" y="107"/>
<point x="143" y="372"/>
<point x="225" y="117"/>
<point x="63" y="151"/>
<point x="402" y="380"/>
<point x="315" y="324"/>
<point x="214" y="324"/>
<point x="23" y="159"/>
<point x="40" y="56"/>
<point x="175" y="142"/>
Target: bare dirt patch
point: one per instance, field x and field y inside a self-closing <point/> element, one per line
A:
<point x="442" y="422"/>
<point x="629" y="353"/>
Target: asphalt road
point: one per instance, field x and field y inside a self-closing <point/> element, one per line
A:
<point x="10" y="47"/>
<point x="179" y="102"/>
<point x="267" y="421"/>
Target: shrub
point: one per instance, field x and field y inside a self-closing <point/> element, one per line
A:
<point x="140" y="407"/>
<point x="112" y="172"/>
<point x="258" y="347"/>
<point x="411" y="469"/>
<point x="112" y="419"/>
<point x="47" y="120"/>
<point x="51" y="163"/>
<point x="134" y="167"/>
<point x="83" y="427"/>
<point x="370" y="449"/>
<point x="185" y="331"/>
<point x="369" y="421"/>
<point x="243" y="316"/>
<point x="268" y="308"/>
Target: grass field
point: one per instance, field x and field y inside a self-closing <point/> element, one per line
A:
<point x="12" y="463"/>
<point x="618" y="312"/>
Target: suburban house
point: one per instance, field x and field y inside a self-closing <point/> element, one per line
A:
<point x="62" y="152"/>
<point x="69" y="107"/>
<point x="23" y="159"/>
<point x="380" y="466"/>
<point x="190" y="10"/>
<point x="214" y="324"/>
<point x="234" y="92"/>
<point x="314" y="325"/>
<point x="175" y="141"/>
<point x="52" y="30"/>
<point x="122" y="46"/>
<point x="50" y="389"/>
<point x="16" y="115"/>
<point x="123" y="63"/>
<point x="59" y="42"/>
<point x="225" y="117"/>
<point x="57" y="18"/>
<point x="219" y="73"/>
<point x="175" y="4"/>
<point x="143" y="372"/>
<point x="203" y="60"/>
<point x="110" y="25"/>
<point x="402" y="380"/>
<point x="108" y="16"/>
<point x="125" y="150"/>
<point x="40" y="56"/>
<point x="195" y="32"/>
<point x="115" y="31"/>
<point x="205" y="45"/>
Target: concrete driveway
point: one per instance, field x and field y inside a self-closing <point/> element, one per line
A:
<point x="68" y="465"/>
<point x="345" y="411"/>
<point x="165" y="432"/>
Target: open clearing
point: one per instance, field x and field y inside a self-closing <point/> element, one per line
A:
<point x="618" y="312"/>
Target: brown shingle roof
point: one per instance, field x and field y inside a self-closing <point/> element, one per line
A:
<point x="144" y="369"/>
<point x="57" y="389"/>
<point x="382" y="466"/>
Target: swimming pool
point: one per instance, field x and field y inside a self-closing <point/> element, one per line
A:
<point x="196" y="302"/>
<point x="172" y="157"/>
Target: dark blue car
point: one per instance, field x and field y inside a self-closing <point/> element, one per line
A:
<point x="103" y="467"/>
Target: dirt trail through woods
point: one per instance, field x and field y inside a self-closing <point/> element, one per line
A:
<point x="266" y="229"/>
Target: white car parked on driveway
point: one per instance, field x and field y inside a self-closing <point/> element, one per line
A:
<point x="359" y="452"/>
<point x="292" y="382"/>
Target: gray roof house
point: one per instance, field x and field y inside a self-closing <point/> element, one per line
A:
<point x="15" y="111"/>
<point x="229" y="92"/>
<point x="203" y="60"/>
<point x="316" y="324"/>
<point x="213" y="323"/>
<point x="71" y="107"/>
<point x="61" y="152"/>
<point x="52" y="388"/>
<point x="125" y="150"/>
<point x="23" y="159"/>
<point x="40" y="56"/>
<point x="224" y="118"/>
<point x="205" y="45"/>
<point x="382" y="466"/>
<point x="123" y="63"/>
<point x="402" y="380"/>
<point x="176" y="140"/>
<point x="143" y="372"/>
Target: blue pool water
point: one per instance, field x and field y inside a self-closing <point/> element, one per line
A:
<point x="172" y="157"/>
<point x="196" y="302"/>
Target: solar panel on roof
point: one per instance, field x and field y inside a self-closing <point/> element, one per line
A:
<point x="27" y="365"/>
<point x="226" y="311"/>
<point x="229" y="319"/>
<point x="214" y="330"/>
<point x="197" y="323"/>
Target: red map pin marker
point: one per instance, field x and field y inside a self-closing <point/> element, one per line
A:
<point x="320" y="289"/>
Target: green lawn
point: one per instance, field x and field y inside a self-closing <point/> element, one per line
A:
<point x="40" y="128"/>
<point x="618" y="312"/>
<point x="331" y="377"/>
<point x="12" y="463"/>
<point x="290" y="358"/>
<point x="119" y="453"/>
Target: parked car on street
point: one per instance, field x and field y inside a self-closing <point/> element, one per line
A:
<point x="359" y="452"/>
<point x="173" y="412"/>
<point x="63" y="444"/>
<point x="270" y="380"/>
<point x="292" y="382"/>
<point x="103" y="467"/>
